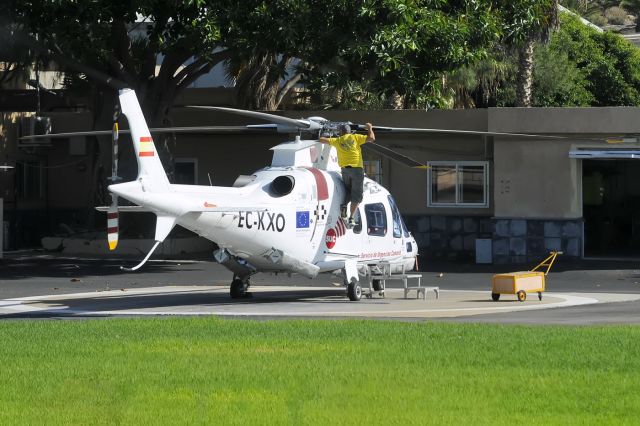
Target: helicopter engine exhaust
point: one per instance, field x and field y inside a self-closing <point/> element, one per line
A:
<point x="282" y="185"/>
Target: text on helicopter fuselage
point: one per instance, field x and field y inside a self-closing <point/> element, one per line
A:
<point x="262" y="221"/>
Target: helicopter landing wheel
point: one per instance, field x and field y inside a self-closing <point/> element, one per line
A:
<point x="354" y="291"/>
<point x="239" y="288"/>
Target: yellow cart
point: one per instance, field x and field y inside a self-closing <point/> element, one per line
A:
<point x="519" y="283"/>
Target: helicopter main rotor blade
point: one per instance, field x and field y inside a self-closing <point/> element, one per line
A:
<point x="285" y="124"/>
<point x="395" y="156"/>
<point x="383" y="129"/>
<point x="157" y="130"/>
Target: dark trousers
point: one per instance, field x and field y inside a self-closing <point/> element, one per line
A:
<point x="353" y="178"/>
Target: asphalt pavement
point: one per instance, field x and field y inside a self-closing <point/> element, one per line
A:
<point x="37" y="279"/>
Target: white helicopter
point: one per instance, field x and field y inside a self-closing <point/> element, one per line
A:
<point x="284" y="218"/>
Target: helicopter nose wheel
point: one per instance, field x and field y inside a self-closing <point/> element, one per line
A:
<point x="354" y="291"/>
<point x="239" y="288"/>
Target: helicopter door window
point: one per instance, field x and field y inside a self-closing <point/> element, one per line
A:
<point x="376" y="219"/>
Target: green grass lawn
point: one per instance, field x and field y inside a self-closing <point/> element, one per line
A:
<point x="216" y="371"/>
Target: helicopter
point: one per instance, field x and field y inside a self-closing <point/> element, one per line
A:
<point x="285" y="217"/>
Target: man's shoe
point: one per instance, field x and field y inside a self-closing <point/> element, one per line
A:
<point x="351" y="223"/>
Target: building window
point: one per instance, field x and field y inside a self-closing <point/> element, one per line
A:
<point x="185" y="171"/>
<point x="458" y="184"/>
<point x="373" y="170"/>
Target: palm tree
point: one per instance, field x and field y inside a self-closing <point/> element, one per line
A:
<point x="539" y="20"/>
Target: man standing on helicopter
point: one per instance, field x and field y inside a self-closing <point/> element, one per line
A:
<point x="350" y="160"/>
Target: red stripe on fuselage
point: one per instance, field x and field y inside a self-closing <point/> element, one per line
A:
<point x="321" y="183"/>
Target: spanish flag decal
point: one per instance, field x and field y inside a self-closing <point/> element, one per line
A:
<point x="146" y="146"/>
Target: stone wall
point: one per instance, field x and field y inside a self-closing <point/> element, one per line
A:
<point x="513" y="240"/>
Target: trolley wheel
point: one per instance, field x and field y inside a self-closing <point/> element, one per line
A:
<point x="522" y="296"/>
<point x="539" y="295"/>
<point x="495" y="296"/>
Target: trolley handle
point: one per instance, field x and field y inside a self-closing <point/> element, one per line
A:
<point x="548" y="262"/>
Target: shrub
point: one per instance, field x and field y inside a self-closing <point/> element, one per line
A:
<point x="597" y="19"/>
<point x="616" y="15"/>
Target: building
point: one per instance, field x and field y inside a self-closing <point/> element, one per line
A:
<point x="522" y="196"/>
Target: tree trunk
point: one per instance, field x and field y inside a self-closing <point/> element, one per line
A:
<point x="525" y="74"/>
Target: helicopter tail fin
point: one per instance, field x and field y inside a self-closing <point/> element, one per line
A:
<point x="150" y="170"/>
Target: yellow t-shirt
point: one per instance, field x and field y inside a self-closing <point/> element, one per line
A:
<point x="348" y="147"/>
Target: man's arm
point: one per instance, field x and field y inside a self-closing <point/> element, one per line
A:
<point x="323" y="140"/>
<point x="371" y="137"/>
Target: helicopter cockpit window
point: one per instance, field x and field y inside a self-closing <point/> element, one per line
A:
<point x="395" y="214"/>
<point x="376" y="219"/>
<point x="398" y="223"/>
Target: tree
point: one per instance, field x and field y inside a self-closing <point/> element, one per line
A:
<point x="558" y="81"/>
<point x="582" y="67"/>
<point x="107" y="36"/>
<point x="398" y="47"/>
<point x="528" y="22"/>
<point x="403" y="57"/>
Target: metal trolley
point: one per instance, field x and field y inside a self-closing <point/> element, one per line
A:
<point x="519" y="283"/>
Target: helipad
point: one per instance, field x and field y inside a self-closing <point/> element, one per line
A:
<point x="269" y="301"/>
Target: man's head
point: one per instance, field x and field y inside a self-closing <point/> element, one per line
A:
<point x="344" y="129"/>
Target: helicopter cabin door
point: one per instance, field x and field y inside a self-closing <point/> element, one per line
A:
<point x="384" y="231"/>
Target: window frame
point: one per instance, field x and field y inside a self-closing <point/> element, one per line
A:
<point x="458" y="165"/>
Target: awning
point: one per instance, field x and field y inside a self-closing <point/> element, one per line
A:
<point x="605" y="153"/>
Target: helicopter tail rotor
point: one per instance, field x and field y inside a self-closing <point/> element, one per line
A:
<point x="112" y="223"/>
<point x="112" y="212"/>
